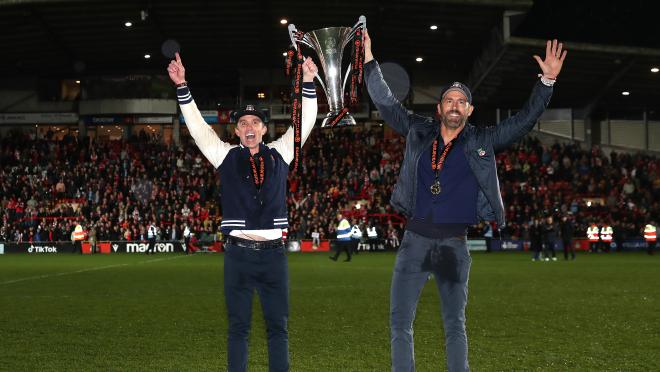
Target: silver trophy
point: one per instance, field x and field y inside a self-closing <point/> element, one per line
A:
<point x="329" y="44"/>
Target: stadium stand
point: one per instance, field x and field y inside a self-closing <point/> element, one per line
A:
<point x="117" y="187"/>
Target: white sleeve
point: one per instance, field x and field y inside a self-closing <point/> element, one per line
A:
<point x="284" y="145"/>
<point x="214" y="149"/>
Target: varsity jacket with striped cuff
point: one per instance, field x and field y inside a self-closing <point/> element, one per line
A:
<point x="244" y="205"/>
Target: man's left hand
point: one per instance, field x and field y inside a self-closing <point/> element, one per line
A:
<point x="554" y="59"/>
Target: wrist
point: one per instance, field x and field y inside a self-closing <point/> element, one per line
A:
<point x="181" y="83"/>
<point x="548" y="80"/>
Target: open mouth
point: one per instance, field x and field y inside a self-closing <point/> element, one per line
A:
<point x="250" y="136"/>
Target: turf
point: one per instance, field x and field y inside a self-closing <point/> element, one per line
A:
<point x="166" y="313"/>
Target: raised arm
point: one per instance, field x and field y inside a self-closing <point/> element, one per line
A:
<point x="395" y="115"/>
<point x="205" y="137"/>
<point x="284" y="145"/>
<point x="514" y="128"/>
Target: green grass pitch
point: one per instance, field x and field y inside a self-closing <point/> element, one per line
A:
<point x="166" y="313"/>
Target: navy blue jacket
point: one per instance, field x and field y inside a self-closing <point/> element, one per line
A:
<point x="245" y="206"/>
<point x="480" y="147"/>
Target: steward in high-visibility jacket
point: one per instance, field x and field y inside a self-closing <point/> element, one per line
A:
<point x="593" y="234"/>
<point x="343" y="242"/>
<point x="606" y="233"/>
<point x="650" y="237"/>
<point x="78" y="233"/>
<point x="77" y="236"/>
<point x="650" y="233"/>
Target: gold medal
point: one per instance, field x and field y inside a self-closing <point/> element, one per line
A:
<point x="435" y="188"/>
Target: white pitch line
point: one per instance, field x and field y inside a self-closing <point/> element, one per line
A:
<point x="37" y="277"/>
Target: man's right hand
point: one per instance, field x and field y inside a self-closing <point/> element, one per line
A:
<point x="367" y="47"/>
<point x="176" y="70"/>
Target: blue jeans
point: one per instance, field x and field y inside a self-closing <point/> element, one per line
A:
<point x="449" y="261"/>
<point x="266" y="271"/>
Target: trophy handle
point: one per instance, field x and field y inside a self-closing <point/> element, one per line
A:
<point x="361" y="23"/>
<point x="292" y="31"/>
<point x="294" y="42"/>
<point x="343" y="88"/>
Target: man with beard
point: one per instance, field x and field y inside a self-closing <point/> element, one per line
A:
<point x="253" y="178"/>
<point x="447" y="182"/>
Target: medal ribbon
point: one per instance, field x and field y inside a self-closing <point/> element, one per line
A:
<point x="258" y="177"/>
<point x="437" y="166"/>
<point x="294" y="62"/>
<point x="357" y="68"/>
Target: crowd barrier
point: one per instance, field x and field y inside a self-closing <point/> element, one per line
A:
<point x="37" y="248"/>
<point x="108" y="247"/>
<point x="304" y="246"/>
<point x="628" y="245"/>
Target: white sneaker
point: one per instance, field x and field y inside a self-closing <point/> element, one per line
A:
<point x="554" y="258"/>
<point x="547" y="259"/>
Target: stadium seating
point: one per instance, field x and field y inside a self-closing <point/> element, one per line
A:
<point x="117" y="187"/>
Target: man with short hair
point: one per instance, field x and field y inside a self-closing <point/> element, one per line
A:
<point x="356" y="237"/>
<point x="567" y="229"/>
<point x="372" y="237"/>
<point x="253" y="179"/>
<point x="441" y="192"/>
<point x="187" y="234"/>
<point x="343" y="241"/>
<point x="152" y="233"/>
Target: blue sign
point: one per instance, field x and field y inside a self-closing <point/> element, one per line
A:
<point x="210" y="117"/>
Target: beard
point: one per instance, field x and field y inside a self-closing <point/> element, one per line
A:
<point x="453" y="122"/>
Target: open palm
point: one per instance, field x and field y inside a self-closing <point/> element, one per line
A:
<point x="554" y="59"/>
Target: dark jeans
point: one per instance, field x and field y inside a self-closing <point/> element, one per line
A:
<point x="345" y="246"/>
<point x="549" y="248"/>
<point x="449" y="261"/>
<point x="568" y="248"/>
<point x="266" y="270"/>
<point x="152" y="246"/>
<point x="537" y="247"/>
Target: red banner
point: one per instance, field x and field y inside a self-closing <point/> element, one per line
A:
<point x="307" y="246"/>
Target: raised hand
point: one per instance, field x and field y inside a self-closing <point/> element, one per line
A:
<point x="309" y="70"/>
<point x="176" y="70"/>
<point x="366" y="40"/>
<point x="554" y="59"/>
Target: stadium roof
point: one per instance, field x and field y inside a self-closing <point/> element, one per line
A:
<point x="489" y="44"/>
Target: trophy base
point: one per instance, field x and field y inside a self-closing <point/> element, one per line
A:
<point x="347" y="120"/>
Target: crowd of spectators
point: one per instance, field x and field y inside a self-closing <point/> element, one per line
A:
<point x="617" y="189"/>
<point x="117" y="188"/>
<point x="342" y="168"/>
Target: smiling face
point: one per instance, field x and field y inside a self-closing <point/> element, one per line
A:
<point x="250" y="129"/>
<point x="454" y="109"/>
